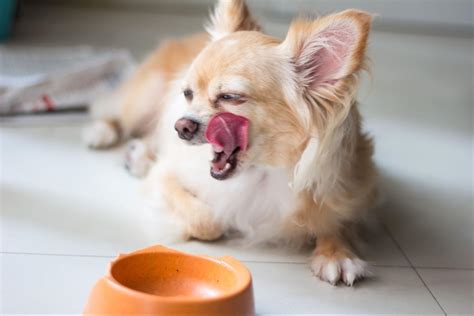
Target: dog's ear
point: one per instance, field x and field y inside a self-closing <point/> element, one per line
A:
<point x="326" y="55"/>
<point x="329" y="48"/>
<point x="230" y="16"/>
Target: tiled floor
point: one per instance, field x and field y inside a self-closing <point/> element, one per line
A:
<point x="66" y="211"/>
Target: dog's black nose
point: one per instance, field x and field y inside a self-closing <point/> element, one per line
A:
<point x="186" y="128"/>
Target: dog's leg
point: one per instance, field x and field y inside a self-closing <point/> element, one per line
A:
<point x="104" y="131"/>
<point x="101" y="134"/>
<point x="337" y="235"/>
<point x="139" y="156"/>
<point x="333" y="261"/>
<point x="131" y="111"/>
<point x="194" y="213"/>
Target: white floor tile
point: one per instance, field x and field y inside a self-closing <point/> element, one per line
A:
<point x="291" y="289"/>
<point x="429" y="194"/>
<point x="60" y="284"/>
<point x="432" y="225"/>
<point x="420" y="112"/>
<point x="454" y="289"/>
<point x="48" y="284"/>
<point x="59" y="197"/>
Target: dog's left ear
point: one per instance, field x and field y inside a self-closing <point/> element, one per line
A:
<point x="231" y="16"/>
<point x="328" y="49"/>
<point x="326" y="55"/>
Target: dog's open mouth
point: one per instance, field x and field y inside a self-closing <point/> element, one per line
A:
<point x="228" y="135"/>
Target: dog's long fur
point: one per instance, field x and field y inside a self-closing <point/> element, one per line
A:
<point x="308" y="173"/>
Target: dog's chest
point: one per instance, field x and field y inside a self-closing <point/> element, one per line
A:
<point x="254" y="202"/>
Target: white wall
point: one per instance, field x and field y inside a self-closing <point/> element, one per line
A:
<point x="457" y="14"/>
<point x="444" y="12"/>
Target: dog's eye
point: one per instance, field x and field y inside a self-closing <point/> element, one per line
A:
<point x="188" y="94"/>
<point x="231" y="98"/>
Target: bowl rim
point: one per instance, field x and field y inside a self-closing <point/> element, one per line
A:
<point x="244" y="278"/>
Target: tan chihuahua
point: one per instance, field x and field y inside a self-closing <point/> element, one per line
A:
<point x="279" y="122"/>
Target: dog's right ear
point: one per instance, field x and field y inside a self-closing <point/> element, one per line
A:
<point x="231" y="16"/>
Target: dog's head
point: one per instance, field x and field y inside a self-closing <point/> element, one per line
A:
<point x="262" y="101"/>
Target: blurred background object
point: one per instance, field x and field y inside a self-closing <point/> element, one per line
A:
<point x="45" y="79"/>
<point x="7" y="14"/>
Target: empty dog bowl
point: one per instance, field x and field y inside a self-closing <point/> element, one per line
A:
<point x="161" y="281"/>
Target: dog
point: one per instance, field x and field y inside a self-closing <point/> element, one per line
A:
<point x="279" y="122"/>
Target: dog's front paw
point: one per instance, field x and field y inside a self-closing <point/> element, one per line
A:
<point x="347" y="270"/>
<point x="205" y="232"/>
<point x="100" y="134"/>
<point x="137" y="158"/>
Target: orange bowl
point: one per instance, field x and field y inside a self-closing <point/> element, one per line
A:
<point x="162" y="281"/>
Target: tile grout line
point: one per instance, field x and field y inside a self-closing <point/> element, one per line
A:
<point x="243" y="260"/>
<point x="444" y="268"/>
<point x="111" y="257"/>
<point x="413" y="267"/>
<point x="55" y="254"/>
<point x="43" y="125"/>
<point x="303" y="263"/>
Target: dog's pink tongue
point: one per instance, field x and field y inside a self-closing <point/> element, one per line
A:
<point x="228" y="131"/>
